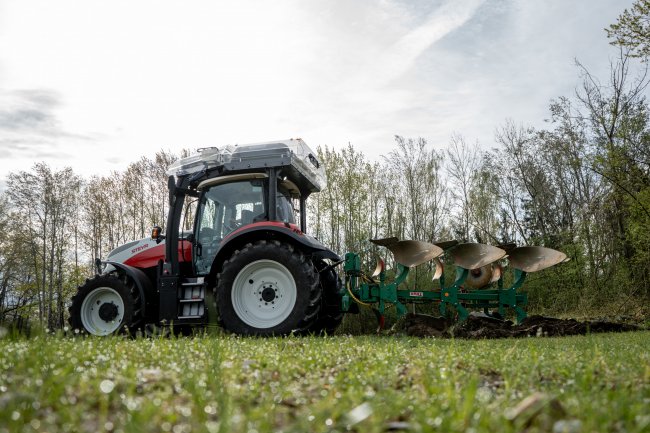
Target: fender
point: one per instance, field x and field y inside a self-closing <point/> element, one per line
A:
<point x="273" y="230"/>
<point x="142" y="281"/>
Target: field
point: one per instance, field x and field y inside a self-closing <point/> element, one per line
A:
<point x="214" y="383"/>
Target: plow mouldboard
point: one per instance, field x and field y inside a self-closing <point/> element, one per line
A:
<point x="533" y="259"/>
<point x="474" y="256"/>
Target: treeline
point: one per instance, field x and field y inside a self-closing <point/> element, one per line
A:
<point x="581" y="185"/>
<point x="53" y="224"/>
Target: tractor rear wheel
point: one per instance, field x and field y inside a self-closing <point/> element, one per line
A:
<point x="330" y="314"/>
<point x="106" y="304"/>
<point x="267" y="288"/>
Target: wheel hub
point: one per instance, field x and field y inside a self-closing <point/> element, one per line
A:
<point x="268" y="293"/>
<point x="108" y="311"/>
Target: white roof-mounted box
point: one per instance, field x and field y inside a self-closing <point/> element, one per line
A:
<point x="293" y="154"/>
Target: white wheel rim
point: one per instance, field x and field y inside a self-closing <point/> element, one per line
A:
<point x="264" y="294"/>
<point x="96" y="323"/>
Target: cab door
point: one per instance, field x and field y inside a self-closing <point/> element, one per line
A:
<point x="224" y="207"/>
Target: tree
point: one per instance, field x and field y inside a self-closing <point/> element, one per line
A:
<point x="462" y="169"/>
<point x="632" y="30"/>
<point x="618" y="114"/>
<point x="345" y="215"/>
<point x="17" y="282"/>
<point x="45" y="202"/>
<point x="418" y="186"/>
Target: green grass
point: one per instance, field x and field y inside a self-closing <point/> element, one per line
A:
<point x="230" y="384"/>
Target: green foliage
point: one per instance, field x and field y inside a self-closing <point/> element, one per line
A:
<point x="632" y="30"/>
<point x="53" y="225"/>
<point x="370" y="384"/>
<point x="45" y="202"/>
<point x="403" y="197"/>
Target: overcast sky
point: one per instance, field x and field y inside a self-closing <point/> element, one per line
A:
<point x="96" y="84"/>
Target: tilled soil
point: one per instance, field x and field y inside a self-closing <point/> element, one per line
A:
<point x="480" y="326"/>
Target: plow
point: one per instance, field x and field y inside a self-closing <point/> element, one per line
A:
<point x="478" y="270"/>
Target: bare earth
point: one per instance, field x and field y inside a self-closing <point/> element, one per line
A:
<point x="479" y="326"/>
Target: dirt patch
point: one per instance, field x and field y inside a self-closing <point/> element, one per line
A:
<point x="481" y="326"/>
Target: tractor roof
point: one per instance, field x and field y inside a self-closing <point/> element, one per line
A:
<point x="297" y="161"/>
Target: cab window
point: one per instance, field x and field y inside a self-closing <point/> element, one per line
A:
<point x="284" y="205"/>
<point x="222" y="209"/>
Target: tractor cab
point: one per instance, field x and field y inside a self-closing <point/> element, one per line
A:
<point x="243" y="188"/>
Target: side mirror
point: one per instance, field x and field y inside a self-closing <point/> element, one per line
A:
<point x="156" y="234"/>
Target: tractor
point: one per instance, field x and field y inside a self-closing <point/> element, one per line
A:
<point x="248" y="261"/>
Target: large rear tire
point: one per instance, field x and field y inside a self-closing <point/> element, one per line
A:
<point x="267" y="288"/>
<point x="330" y="314"/>
<point x="105" y="305"/>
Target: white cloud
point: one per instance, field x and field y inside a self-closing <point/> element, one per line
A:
<point x="135" y="77"/>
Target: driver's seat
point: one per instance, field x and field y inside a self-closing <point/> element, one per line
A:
<point x="258" y="211"/>
<point x="246" y="217"/>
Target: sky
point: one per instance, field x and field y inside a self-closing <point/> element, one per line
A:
<point x="95" y="85"/>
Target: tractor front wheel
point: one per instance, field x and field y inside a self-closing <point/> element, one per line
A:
<point x="267" y="288"/>
<point x="105" y="305"/>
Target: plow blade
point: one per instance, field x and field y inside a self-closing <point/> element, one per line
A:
<point x="384" y="242"/>
<point x="439" y="270"/>
<point x="413" y="253"/>
<point x="409" y="253"/>
<point x="381" y="266"/>
<point x="533" y="259"/>
<point x="474" y="256"/>
<point x="497" y="272"/>
<point x="507" y="247"/>
<point x="445" y="245"/>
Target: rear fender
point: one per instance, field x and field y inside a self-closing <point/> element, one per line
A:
<point x="272" y="231"/>
<point x="144" y="285"/>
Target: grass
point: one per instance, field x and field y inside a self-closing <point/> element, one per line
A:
<point x="363" y="384"/>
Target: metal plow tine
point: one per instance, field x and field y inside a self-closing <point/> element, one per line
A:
<point x="413" y="253"/>
<point x="474" y="256"/>
<point x="439" y="270"/>
<point x="533" y="259"/>
<point x="385" y="242"/>
<point x="379" y="268"/>
<point x="445" y="245"/>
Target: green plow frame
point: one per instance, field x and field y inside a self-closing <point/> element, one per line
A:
<point x="478" y="283"/>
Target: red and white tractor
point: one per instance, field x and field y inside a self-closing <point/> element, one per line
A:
<point x="247" y="251"/>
